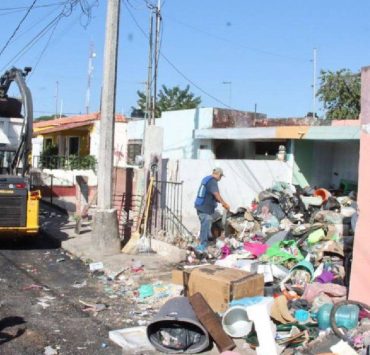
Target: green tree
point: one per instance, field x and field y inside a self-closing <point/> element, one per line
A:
<point x="340" y="94"/>
<point x="168" y="99"/>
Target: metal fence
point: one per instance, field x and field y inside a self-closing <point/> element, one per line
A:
<point x="166" y="210"/>
<point x="128" y="211"/>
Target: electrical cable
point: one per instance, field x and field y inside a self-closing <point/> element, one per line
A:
<point x="235" y="43"/>
<point x="174" y="67"/>
<point x="32" y="26"/>
<point x="34" y="67"/>
<point x="21" y="8"/>
<point x="67" y="10"/>
<point x="18" y="26"/>
<point x="31" y="43"/>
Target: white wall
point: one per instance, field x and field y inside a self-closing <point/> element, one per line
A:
<point x="135" y="129"/>
<point x="11" y="129"/>
<point x="68" y="177"/>
<point x="243" y="180"/>
<point x="120" y="142"/>
<point x="179" y="126"/>
<point x="37" y="146"/>
<point x="178" y="132"/>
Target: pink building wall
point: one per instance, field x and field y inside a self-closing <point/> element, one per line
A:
<point x="360" y="275"/>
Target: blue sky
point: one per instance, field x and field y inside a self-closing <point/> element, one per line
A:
<point x="264" y="48"/>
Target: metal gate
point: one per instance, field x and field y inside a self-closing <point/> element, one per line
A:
<point x="166" y="210"/>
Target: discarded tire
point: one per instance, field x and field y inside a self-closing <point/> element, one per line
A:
<point x="176" y="329"/>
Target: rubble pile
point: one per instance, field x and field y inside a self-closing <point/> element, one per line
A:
<point x="275" y="282"/>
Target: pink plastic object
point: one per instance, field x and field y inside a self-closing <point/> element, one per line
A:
<point x="256" y="249"/>
<point x="225" y="251"/>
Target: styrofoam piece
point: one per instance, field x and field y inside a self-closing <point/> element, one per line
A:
<point x="96" y="266"/>
<point x="260" y="315"/>
<point x="265" y="269"/>
<point x="342" y="348"/>
<point x="132" y="339"/>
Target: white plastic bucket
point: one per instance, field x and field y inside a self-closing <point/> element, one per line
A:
<point x="236" y="323"/>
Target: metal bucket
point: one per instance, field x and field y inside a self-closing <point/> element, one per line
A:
<point x="236" y="322"/>
<point x="176" y="329"/>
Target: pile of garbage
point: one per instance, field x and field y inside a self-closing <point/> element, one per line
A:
<point x="301" y="241"/>
<point x="275" y="282"/>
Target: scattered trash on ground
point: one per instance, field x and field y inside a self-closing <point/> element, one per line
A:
<point x="277" y="277"/>
<point x="49" y="350"/>
<point x="96" y="266"/>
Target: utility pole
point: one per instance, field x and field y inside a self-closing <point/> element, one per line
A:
<point x="90" y="69"/>
<point x="56" y="98"/>
<point x="148" y="103"/>
<point x="61" y="108"/>
<point x="314" y="85"/>
<point x="105" y="226"/>
<point x="156" y="54"/>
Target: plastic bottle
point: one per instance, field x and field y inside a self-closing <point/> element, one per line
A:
<point x="345" y="317"/>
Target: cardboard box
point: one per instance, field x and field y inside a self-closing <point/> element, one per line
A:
<point x="220" y="285"/>
<point x="178" y="277"/>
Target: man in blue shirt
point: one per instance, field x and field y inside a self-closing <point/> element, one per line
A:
<point x="207" y="198"/>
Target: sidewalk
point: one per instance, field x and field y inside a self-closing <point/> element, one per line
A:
<point x="60" y="227"/>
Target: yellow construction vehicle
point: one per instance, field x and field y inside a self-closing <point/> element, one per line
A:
<point x="19" y="204"/>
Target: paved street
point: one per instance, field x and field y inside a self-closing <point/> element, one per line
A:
<point x="39" y="306"/>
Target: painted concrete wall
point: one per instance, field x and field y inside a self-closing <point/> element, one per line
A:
<point x="135" y="129"/>
<point x="68" y="177"/>
<point x="10" y="131"/>
<point x="178" y="133"/>
<point x="325" y="163"/>
<point x="37" y="146"/>
<point x="179" y="129"/>
<point x="345" y="161"/>
<point x="322" y="169"/>
<point x="243" y="180"/>
<point x="120" y="142"/>
<point x="360" y="276"/>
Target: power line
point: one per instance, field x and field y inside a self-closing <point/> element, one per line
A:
<point x="173" y="65"/>
<point x="21" y="8"/>
<point x="30" y="44"/>
<point x="66" y="11"/>
<point x="18" y="26"/>
<point x="33" y="25"/>
<point x="258" y="50"/>
<point x="46" y="46"/>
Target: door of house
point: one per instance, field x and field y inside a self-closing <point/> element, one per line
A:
<point x="73" y="145"/>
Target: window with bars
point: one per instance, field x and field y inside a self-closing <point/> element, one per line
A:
<point x="133" y="150"/>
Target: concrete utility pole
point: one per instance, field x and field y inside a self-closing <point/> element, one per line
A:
<point x="90" y="69"/>
<point x="105" y="226"/>
<point x="156" y="55"/>
<point x="148" y="103"/>
<point x="56" y="98"/>
<point x="314" y="85"/>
